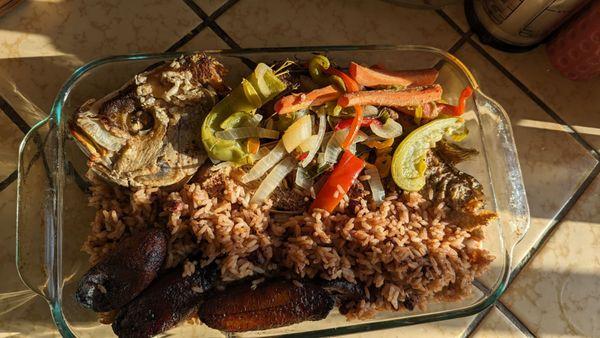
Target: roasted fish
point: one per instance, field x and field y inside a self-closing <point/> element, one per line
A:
<point x="459" y="191"/>
<point x="148" y="132"/>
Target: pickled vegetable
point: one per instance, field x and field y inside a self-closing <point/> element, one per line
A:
<point x="258" y="88"/>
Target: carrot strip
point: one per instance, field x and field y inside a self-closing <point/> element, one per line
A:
<point x="297" y="101"/>
<point x="392" y="98"/>
<point x="369" y="77"/>
<point x="253" y="145"/>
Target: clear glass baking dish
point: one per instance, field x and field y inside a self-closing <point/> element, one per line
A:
<point x="53" y="216"/>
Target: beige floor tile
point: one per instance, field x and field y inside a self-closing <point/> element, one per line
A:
<point x="575" y="102"/>
<point x="257" y="23"/>
<point x="446" y="328"/>
<point x="20" y="311"/>
<point x="209" y="6"/>
<point x="9" y="147"/>
<point x="456" y="12"/>
<point x="496" y="325"/>
<point x="558" y="292"/>
<point x="42" y="42"/>
<point x="552" y="162"/>
<point x="205" y="40"/>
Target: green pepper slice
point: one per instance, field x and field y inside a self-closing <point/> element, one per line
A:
<point x="259" y="87"/>
<point x="408" y="162"/>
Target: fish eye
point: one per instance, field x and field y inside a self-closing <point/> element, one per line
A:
<point x="139" y="121"/>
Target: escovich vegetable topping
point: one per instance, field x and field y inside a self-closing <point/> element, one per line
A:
<point x="325" y="188"/>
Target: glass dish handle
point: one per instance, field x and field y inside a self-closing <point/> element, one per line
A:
<point x="505" y="171"/>
<point x="35" y="208"/>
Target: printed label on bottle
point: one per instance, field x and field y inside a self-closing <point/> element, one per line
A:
<point x="550" y="17"/>
<point x="500" y="10"/>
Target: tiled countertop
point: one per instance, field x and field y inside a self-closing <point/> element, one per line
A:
<point x="555" y="290"/>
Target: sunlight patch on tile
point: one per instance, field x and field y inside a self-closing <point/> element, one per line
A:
<point x="552" y="162"/>
<point x="557" y="292"/>
<point x="497" y="325"/>
<point x="255" y="23"/>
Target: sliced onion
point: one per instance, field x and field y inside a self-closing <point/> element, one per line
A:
<point x="320" y="136"/>
<point x="297" y="133"/>
<point x="377" y="189"/>
<point x="334" y="145"/>
<point x="333" y="149"/>
<point x="260" y="71"/>
<point x="273" y="179"/>
<point x="262" y="152"/>
<point x="326" y="139"/>
<point x="390" y="129"/>
<point x="369" y="111"/>
<point x="256" y="118"/>
<point x="265" y="163"/>
<point x="321" y="159"/>
<point x="302" y="180"/>
<point x="309" y="144"/>
<point x="247" y="132"/>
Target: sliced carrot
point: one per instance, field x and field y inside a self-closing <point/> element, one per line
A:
<point x="253" y="145"/>
<point x="392" y="98"/>
<point x="369" y="77"/>
<point x="294" y="102"/>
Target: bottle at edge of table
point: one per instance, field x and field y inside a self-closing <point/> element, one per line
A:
<point x="518" y="25"/>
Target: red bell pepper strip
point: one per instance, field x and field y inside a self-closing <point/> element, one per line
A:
<point x="343" y="175"/>
<point x="459" y="109"/>
<point x="302" y="156"/>
<point x="367" y="121"/>
<point x="462" y="100"/>
<point x="351" y="86"/>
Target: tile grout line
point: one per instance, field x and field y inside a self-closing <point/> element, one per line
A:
<point x="8" y="180"/>
<point x="530" y="255"/>
<point x="520" y="85"/>
<point x="20" y="123"/>
<point x="474" y="325"/>
<point x="12" y="114"/>
<point x="186" y="38"/>
<point x="451" y="22"/>
<point x="221" y="10"/>
<point x="206" y="20"/>
<point x="209" y="20"/>
<point x="567" y="127"/>
<point x="558" y="219"/>
<point x="514" y="319"/>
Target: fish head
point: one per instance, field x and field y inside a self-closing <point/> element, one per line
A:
<point x="148" y="133"/>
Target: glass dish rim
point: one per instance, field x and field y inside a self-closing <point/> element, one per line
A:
<point x="55" y="282"/>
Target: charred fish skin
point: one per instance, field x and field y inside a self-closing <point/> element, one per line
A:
<point x="270" y="305"/>
<point x="169" y="300"/>
<point x="125" y="273"/>
<point x="146" y="133"/>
